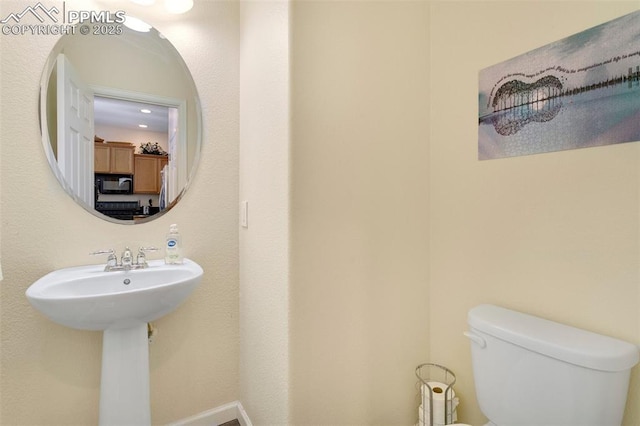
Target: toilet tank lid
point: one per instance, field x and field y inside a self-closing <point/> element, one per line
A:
<point x="559" y="341"/>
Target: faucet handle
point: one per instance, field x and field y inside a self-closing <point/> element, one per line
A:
<point x="142" y="258"/>
<point x="97" y="252"/>
<point x="112" y="260"/>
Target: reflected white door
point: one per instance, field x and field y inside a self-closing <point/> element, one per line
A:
<point x="75" y="131"/>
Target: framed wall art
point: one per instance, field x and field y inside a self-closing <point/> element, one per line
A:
<point x="578" y="92"/>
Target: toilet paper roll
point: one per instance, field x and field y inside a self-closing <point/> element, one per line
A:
<point x="436" y="400"/>
<point x="424" y="418"/>
<point x="438" y="390"/>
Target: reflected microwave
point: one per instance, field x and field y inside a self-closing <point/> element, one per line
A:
<point x="114" y="184"/>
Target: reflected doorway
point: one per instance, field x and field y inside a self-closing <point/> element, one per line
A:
<point x="149" y="129"/>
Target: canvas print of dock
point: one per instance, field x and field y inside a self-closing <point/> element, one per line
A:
<point x="579" y="92"/>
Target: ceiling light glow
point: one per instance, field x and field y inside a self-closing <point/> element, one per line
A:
<point x="145" y="111"/>
<point x="137" y="24"/>
<point x="142" y="126"/>
<point x="178" y="6"/>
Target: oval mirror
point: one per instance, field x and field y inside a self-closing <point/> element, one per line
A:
<point x="121" y="122"/>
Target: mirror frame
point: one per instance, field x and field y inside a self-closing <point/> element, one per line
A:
<point x="124" y="94"/>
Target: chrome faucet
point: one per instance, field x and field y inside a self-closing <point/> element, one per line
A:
<point x="127" y="261"/>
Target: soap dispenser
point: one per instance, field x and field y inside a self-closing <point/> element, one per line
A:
<point x="173" y="246"/>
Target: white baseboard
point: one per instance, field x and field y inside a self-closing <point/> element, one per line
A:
<point x="215" y="416"/>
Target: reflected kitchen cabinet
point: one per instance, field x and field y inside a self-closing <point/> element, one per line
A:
<point x="147" y="178"/>
<point x="113" y="157"/>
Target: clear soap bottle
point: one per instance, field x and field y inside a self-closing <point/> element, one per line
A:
<point x="173" y="246"/>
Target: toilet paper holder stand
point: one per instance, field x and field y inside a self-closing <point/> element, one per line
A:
<point x="427" y="374"/>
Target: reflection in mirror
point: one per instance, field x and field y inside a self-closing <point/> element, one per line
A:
<point x="121" y="123"/>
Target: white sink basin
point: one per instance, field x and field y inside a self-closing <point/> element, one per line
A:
<point x="88" y="298"/>
<point x="120" y="303"/>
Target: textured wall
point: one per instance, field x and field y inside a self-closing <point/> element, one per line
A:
<point x="50" y="374"/>
<point x="264" y="183"/>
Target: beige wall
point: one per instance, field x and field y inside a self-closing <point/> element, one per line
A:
<point x="359" y="211"/>
<point x="554" y="234"/>
<point x="50" y="374"/>
<point x="136" y="137"/>
<point x="392" y="231"/>
<point x="264" y="183"/>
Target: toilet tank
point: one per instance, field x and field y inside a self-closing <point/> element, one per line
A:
<point x="532" y="371"/>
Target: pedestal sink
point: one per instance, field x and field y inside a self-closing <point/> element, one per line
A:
<point x="120" y="303"/>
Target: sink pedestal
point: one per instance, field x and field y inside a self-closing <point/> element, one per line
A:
<point x="120" y="303"/>
<point x="124" y="387"/>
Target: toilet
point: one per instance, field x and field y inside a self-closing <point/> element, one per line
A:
<point x="529" y="371"/>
